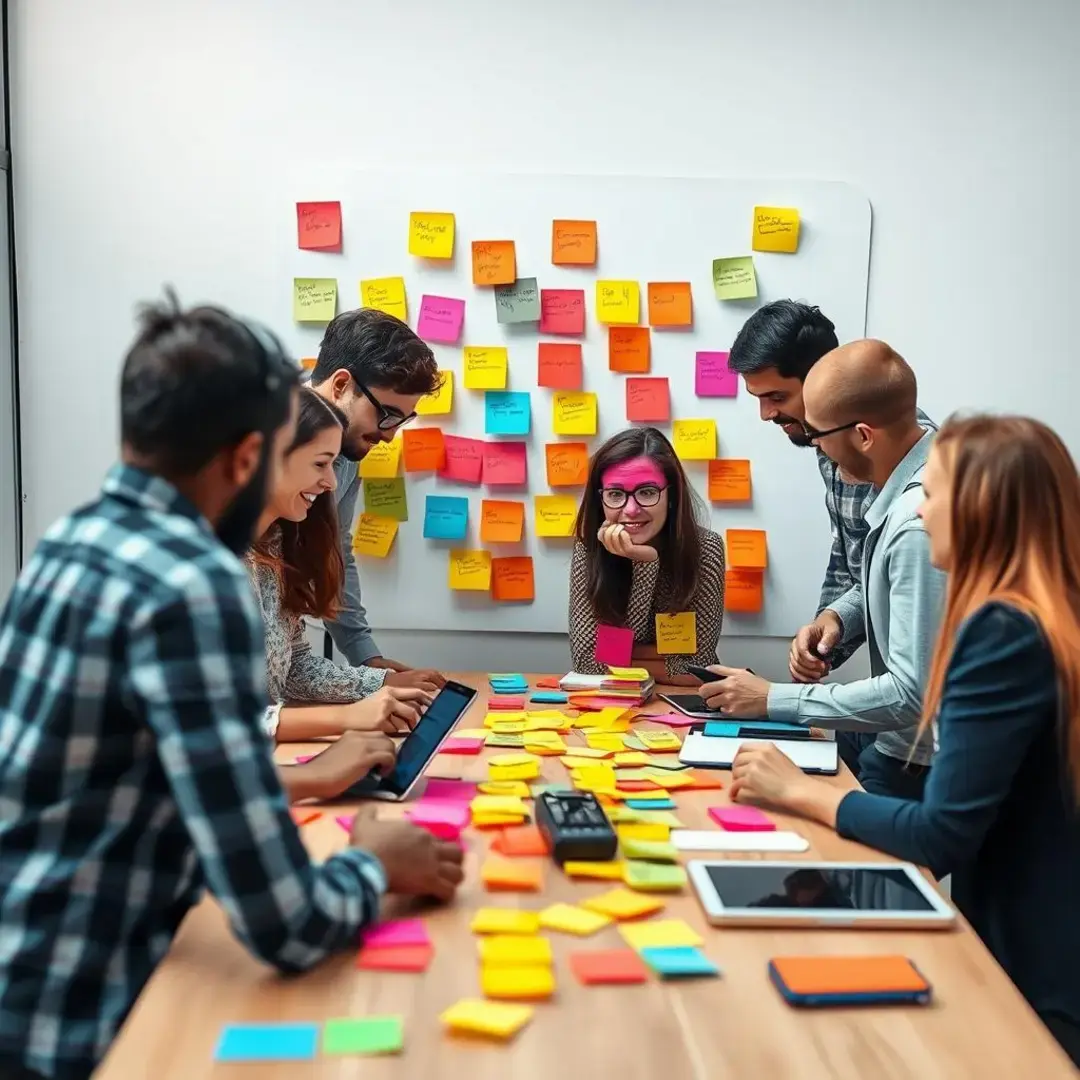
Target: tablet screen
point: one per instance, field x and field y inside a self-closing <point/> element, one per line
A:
<point x="777" y="888"/>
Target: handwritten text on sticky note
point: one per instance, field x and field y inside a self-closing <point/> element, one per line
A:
<point x="554" y="515"/>
<point x="374" y="535"/>
<point x="574" y="413"/>
<point x="318" y="226"/>
<point x="386" y="498"/>
<point x="734" y="279"/>
<point x="729" y="480"/>
<point x="385" y="294"/>
<point x="431" y="235"/>
<point x="567" y="464"/>
<point x="695" y="440"/>
<point x="713" y="377"/>
<point x="501" y="522"/>
<point x="648" y="401"/>
<point x="676" y="633"/>
<point x="562" y="311"/>
<point x="629" y="349"/>
<point x="314" y="299"/>
<point x="440" y="319"/>
<point x="776" y="228"/>
<point x="518" y="302"/>
<point x="670" y="303"/>
<point x="494" y="262"/>
<point x="558" y="366"/>
<point x="446" y="517"/>
<point x="423" y="449"/>
<point x="382" y="460"/>
<point x="506" y="412"/>
<point x="747" y="549"/>
<point x="512" y="579"/>
<point x="573" y="243"/>
<point x="464" y="459"/>
<point x="743" y="590"/>
<point x="485" y="367"/>
<point x="504" y="463"/>
<point x="470" y="570"/>
<point x="618" y="302"/>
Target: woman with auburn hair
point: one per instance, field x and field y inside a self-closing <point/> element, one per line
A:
<point x="1000" y="810"/>
<point x="642" y="551"/>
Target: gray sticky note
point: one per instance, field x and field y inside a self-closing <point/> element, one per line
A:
<point x="519" y="302"/>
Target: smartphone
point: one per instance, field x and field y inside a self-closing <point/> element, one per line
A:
<point x="707" y="676"/>
<point x="815" y="981"/>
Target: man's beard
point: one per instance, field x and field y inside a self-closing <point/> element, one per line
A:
<point x="355" y="449"/>
<point x="236" y="526"/>
<point x="799" y="438"/>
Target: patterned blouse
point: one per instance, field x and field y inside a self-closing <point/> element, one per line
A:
<point x="293" y="672"/>
<point x="649" y="596"/>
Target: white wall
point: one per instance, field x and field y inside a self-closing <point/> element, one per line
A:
<point x="140" y="131"/>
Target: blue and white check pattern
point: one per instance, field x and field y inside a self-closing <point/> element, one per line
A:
<point x="133" y="772"/>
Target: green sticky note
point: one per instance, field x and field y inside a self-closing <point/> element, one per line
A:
<point x="650" y="850"/>
<point x="658" y="817"/>
<point x="369" y="1035"/>
<point x="386" y="498"/>
<point x="519" y="302"/>
<point x="666" y="762"/>
<point x="314" y="299"/>
<point x="632" y="742"/>
<point x="734" y="279"/>
<point x="653" y="876"/>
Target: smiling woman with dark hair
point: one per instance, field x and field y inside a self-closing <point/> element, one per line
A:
<point x="642" y="551"/>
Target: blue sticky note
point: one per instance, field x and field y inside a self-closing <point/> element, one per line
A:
<point x="549" y="697"/>
<point x="268" y="1042"/>
<point x="721" y="729"/>
<point x="446" y="517"/>
<point x="650" y="804"/>
<point x="679" y="961"/>
<point x="506" y="412"/>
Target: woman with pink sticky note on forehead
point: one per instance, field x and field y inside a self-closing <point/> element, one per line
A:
<point x="643" y="552"/>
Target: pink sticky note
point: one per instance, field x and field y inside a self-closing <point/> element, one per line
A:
<point x="713" y="377"/>
<point x="506" y="701"/>
<point x="741" y="819"/>
<point x="671" y="719"/>
<point x="464" y="459"/>
<point x="614" y="645"/>
<point x="395" y="932"/>
<point x="443" y="819"/>
<point x="345" y="821"/>
<point x="440" y="319"/>
<point x="437" y="790"/>
<point x="303" y="759"/>
<point x="504" y="463"/>
<point x="562" y="311"/>
<point x="461" y="746"/>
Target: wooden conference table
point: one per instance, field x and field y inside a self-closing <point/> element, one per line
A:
<point x="708" y="1029"/>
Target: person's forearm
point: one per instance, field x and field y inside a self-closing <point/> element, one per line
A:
<point x="301" y="723"/>
<point x="297" y="788"/>
<point x="816" y="800"/>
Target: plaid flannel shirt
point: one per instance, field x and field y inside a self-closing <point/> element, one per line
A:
<point x="133" y="771"/>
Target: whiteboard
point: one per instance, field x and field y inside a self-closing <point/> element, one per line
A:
<point x="649" y="229"/>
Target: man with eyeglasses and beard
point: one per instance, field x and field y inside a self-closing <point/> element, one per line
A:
<point x="375" y="370"/>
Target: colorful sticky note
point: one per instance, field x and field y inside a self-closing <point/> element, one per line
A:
<point x="513" y="950"/>
<point x="501" y="522"/>
<point x="493" y="262"/>
<point x="460" y="745"/>
<point x="464" y="459"/>
<point x="629" y="349"/>
<point x="498" y="873"/>
<point x="386" y="498"/>
<point x="268" y="1042"/>
<point x="423" y="449"/>
<point x="660" y="934"/>
<point x="494" y="1019"/>
<point x="558" y="367"/>
<point x="571" y="919"/>
<point x="650" y="850"/>
<point x="506" y="412"/>
<point x="744" y="590"/>
<point x="675" y="634"/>
<point x="670" y="303"/>
<point x="554" y="515"/>
<point x="412" y="958"/>
<point x="518" y="302"/>
<point x="520" y="790"/>
<point x="618" y="302"/>
<point x="600" y="967"/>
<point x="573" y="243"/>
<point x="493" y="920"/>
<point x="381" y="462"/>
<point x="746" y="549"/>
<point x="318" y="226"/>
<point x="741" y="819"/>
<point x="374" y="535"/>
<point x="695" y="440"/>
<point x="505" y="463"/>
<point x="521" y="840"/>
<point x="729" y="480"/>
<point x="307" y="363"/>
<point x="385" y="294"/>
<point x="441" y="318"/>
<point x="648" y="400"/>
<point x="314" y="299"/>
<point x="470" y="570"/>
<point x="441" y="401"/>
<point x="567" y="464"/>
<point x="574" y="412"/>
<point x="776" y="228"/>
<point x="621" y="903"/>
<point x="562" y="311"/>
<point x="395" y="932"/>
<point x="614" y="645"/>
<point x="431" y="235"/>
<point x="597" y="871"/>
<point x="450" y="790"/>
<point x="713" y="377"/>
<point x="526" y="982"/>
<point x="446" y="517"/>
<point x="513" y="579"/>
<point x="653" y="876"/>
<point x="363" y="1036"/>
<point x="485" y="367"/>
<point x="680" y="961"/>
<point x="734" y="279"/>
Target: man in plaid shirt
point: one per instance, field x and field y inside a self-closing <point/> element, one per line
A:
<point x="133" y="770"/>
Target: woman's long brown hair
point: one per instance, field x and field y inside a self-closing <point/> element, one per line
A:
<point x="679" y="542"/>
<point x="1015" y="518"/>
<point x="310" y="567"/>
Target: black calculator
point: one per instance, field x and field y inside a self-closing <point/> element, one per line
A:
<point x="575" y="826"/>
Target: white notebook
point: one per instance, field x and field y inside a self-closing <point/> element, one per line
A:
<point x="811" y="755"/>
<point x="718" y="840"/>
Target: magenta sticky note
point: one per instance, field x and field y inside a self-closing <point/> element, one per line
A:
<point x="712" y="376"/>
<point x="672" y="719"/>
<point x="443" y="819"/>
<point x="464" y="459"/>
<point x="395" y="932"/>
<point x="303" y="759"/>
<point x="440" y="319"/>
<point x="614" y="645"/>
<point x="458" y="745"/>
<point x="345" y="821"/>
<point x="505" y="463"/>
<point x="741" y="819"/>
<point x="438" y="790"/>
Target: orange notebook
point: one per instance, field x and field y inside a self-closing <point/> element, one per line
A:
<point x="849" y="980"/>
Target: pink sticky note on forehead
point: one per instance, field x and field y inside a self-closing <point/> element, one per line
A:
<point x="633" y="473"/>
<point x="440" y="319"/>
<point x="505" y="463"/>
<point x="614" y="645"/>
<point x="395" y="932"/>
<point x="713" y="377"/>
<point x="741" y="819"/>
<point x="464" y="459"/>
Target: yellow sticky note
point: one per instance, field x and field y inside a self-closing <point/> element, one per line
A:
<point x="610" y="717"/>
<point x="515" y="875"/>
<point x="575" y="760"/>
<point x="618" y="303"/>
<point x="642" y="831"/>
<point x="510" y="950"/>
<point x="571" y="919"/>
<point x="496" y="920"/>
<point x="518" y="788"/>
<point x="441" y="401"/>
<point x="636" y="674"/>
<point x="485" y="367"/>
<point x="490" y="821"/>
<point x="385" y="294"/>
<point x="606" y="741"/>
<point x="660" y="934"/>
<point x="538" y="722"/>
<point x="646" y="876"/>
<point x="431" y="235"/>
<point x="513" y="983"/>
<point x="658" y="740"/>
<point x="528" y="771"/>
<point x="591" y="752"/>
<point x="382" y="461"/>
<point x="513" y="759"/>
<point x="551" y="746"/>
<point x="695" y="440"/>
<point x="600" y="871"/>
<point x="776" y="228"/>
<point x="573" y="412"/>
<point x="670" y="780"/>
<point x="554" y="515"/>
<point x="374" y="535"/>
<point x="505" y="716"/>
<point x="470" y="570"/>
<point x="314" y="299"/>
<point x="631" y="759"/>
<point x="498" y="804"/>
<point x="489" y="1018"/>
<point x="621" y="904"/>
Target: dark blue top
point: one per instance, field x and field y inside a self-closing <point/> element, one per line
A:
<point x="998" y="812"/>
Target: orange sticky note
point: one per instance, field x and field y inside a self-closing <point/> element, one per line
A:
<point x="648" y="400"/>
<point x="573" y="243"/>
<point x="511" y="875"/>
<point x="308" y="363"/>
<point x="521" y="840"/>
<point x="729" y="480"/>
<point x="746" y="549"/>
<point x="559" y="366"/>
<point x="567" y="464"/>
<point x="670" y="303"/>
<point x="501" y="522"/>
<point x="424" y="449"/>
<point x="494" y="262"/>
<point x="512" y="579"/>
<point x="318" y="226"/>
<point x="744" y="590"/>
<point x="628" y="349"/>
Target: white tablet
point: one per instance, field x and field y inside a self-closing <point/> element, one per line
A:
<point x="718" y="752"/>
<point x="771" y="892"/>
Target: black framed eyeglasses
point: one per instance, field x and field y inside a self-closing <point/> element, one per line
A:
<point x="646" y="495"/>
<point x="390" y="419"/>
<point x="813" y="434"/>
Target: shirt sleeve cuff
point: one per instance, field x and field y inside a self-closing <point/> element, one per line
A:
<point x="270" y="720"/>
<point x="783" y="702"/>
<point x="369" y="866"/>
<point x="849" y="614"/>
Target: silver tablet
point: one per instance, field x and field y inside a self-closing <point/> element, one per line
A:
<point x="734" y="892"/>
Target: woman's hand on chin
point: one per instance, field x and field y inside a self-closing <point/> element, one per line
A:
<point x="617" y="540"/>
